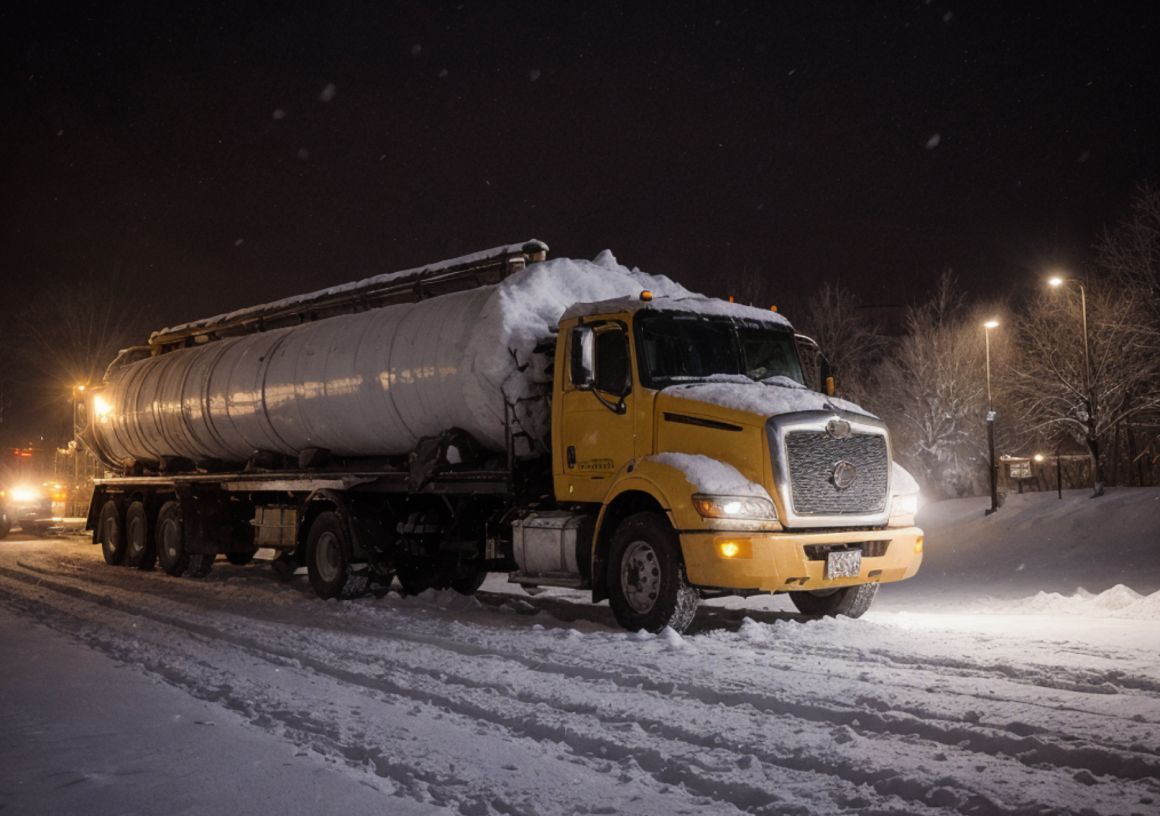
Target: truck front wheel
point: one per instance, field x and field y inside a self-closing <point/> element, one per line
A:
<point x="328" y="560"/>
<point x="647" y="587"/>
<point x="111" y="534"/>
<point x="852" y="601"/>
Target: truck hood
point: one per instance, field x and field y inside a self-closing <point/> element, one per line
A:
<point x="761" y="399"/>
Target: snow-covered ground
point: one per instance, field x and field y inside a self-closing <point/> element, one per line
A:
<point x="1016" y="674"/>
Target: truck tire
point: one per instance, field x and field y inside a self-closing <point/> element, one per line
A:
<point x="170" y="540"/>
<point x="110" y="533"/>
<point x="5" y="525"/>
<point x="328" y="560"/>
<point x="140" y="549"/>
<point x="468" y="579"/>
<point x="239" y="559"/>
<point x="852" y="601"/>
<point x="647" y="587"/>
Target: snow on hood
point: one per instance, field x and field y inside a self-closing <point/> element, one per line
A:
<point x="761" y="398"/>
<point x="711" y="475"/>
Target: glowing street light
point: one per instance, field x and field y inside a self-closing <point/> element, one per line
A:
<point x="991" y="324"/>
<point x="1097" y="487"/>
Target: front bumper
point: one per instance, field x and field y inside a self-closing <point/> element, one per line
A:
<point x="792" y="561"/>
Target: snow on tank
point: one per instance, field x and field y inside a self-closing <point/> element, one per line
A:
<point x="369" y="383"/>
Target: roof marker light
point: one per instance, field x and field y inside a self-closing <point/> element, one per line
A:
<point x="646" y="295"/>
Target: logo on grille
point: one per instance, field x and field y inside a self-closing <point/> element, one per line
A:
<point x="844" y="475"/>
<point x="838" y="428"/>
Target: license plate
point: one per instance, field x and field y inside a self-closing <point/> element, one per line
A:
<point x="845" y="564"/>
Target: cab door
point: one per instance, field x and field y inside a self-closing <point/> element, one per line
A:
<point x="597" y="418"/>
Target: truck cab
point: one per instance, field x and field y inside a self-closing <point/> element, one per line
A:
<point x="685" y="429"/>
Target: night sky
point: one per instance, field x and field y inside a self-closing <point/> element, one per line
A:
<point x="220" y="155"/>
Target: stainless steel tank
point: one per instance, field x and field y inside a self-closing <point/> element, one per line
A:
<point x="364" y="384"/>
<point x="360" y="382"/>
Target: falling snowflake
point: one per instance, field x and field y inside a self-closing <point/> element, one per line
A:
<point x="535" y="74"/>
<point x="279" y="113"/>
<point x="327" y="93"/>
<point x="933" y="141"/>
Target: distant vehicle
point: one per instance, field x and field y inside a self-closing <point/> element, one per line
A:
<point x="27" y="507"/>
<point x="572" y="423"/>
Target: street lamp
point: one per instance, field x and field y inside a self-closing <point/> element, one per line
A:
<point x="1097" y="485"/>
<point x="990" y="324"/>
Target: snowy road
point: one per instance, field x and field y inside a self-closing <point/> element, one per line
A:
<point x="494" y="705"/>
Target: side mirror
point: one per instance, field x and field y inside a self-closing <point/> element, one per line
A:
<point x="818" y="373"/>
<point x="827" y="376"/>
<point x="583" y="360"/>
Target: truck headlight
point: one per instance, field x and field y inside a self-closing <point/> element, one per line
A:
<point x="904" y="505"/>
<point x="733" y="507"/>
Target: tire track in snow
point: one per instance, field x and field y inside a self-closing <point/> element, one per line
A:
<point x="429" y="687"/>
<point x="664" y="770"/>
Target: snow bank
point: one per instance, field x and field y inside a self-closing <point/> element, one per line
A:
<point x="1075" y="556"/>
<point x="1117" y="602"/>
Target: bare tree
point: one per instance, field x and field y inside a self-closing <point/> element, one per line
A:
<point x="1120" y="305"/>
<point x="1129" y="254"/>
<point x="932" y="389"/>
<point x="834" y="317"/>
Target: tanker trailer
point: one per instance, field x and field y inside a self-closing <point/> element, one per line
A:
<point x="496" y="412"/>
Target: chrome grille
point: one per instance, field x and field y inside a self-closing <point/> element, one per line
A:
<point x="812" y="457"/>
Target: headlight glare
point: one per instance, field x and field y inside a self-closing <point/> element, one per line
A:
<point x="25" y="494"/>
<point x="733" y="507"/>
<point x="904" y="505"/>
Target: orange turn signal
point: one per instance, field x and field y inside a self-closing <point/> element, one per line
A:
<point x="918" y="545"/>
<point x="646" y="295"/>
<point x="734" y="547"/>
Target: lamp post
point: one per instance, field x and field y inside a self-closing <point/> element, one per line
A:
<point x="990" y="324"/>
<point x="1093" y="443"/>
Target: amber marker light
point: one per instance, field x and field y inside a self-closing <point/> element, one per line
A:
<point x="918" y="545"/>
<point x="735" y="547"/>
<point x="646" y="295"/>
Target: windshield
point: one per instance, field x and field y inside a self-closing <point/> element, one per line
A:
<point x="679" y="348"/>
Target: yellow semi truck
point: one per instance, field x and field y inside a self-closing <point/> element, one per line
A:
<point x="570" y="423"/>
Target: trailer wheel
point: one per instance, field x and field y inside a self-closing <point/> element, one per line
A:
<point x="647" y="587"/>
<point x="328" y="560"/>
<point x="140" y="549"/>
<point x="239" y="559"/>
<point x="171" y="540"/>
<point x="852" y="601"/>
<point x="110" y="532"/>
